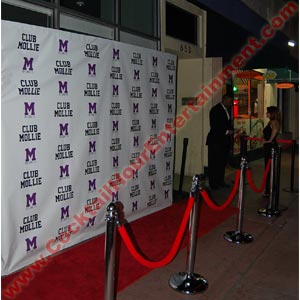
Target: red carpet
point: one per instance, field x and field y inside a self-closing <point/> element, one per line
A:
<point x="78" y="273"/>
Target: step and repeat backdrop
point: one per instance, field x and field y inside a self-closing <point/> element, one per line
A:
<point x="85" y="121"/>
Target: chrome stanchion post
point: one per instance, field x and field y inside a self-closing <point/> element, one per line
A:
<point x="238" y="236"/>
<point x="110" y="240"/>
<point x="292" y="189"/>
<point x="193" y="231"/>
<point x="270" y="210"/>
<point x="189" y="282"/>
<point x="272" y="183"/>
<point x="275" y="205"/>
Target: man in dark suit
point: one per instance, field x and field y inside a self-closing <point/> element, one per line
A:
<point x="218" y="141"/>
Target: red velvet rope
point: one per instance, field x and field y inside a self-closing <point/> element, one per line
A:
<point x="250" y="180"/>
<point x="230" y="198"/>
<point x="170" y="256"/>
<point x="260" y="139"/>
<point x="253" y="139"/>
<point x="285" y="141"/>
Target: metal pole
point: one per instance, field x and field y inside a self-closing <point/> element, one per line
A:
<point x="241" y="196"/>
<point x="183" y="159"/>
<point x="293" y="153"/>
<point x="272" y="178"/>
<point x="56" y="19"/>
<point x="110" y="241"/>
<point x="277" y="179"/>
<point x="238" y="236"/>
<point x="193" y="226"/>
<point x="189" y="282"/>
<point x="293" y="164"/>
<point x="269" y="211"/>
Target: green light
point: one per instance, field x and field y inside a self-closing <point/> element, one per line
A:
<point x="235" y="89"/>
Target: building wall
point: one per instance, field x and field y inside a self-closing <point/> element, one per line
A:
<point x="270" y="96"/>
<point x="192" y="75"/>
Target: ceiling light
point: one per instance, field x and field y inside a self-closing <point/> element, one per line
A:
<point x="291" y="43"/>
<point x="284" y="85"/>
<point x="80" y="3"/>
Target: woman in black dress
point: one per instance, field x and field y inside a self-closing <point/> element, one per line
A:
<point x="270" y="133"/>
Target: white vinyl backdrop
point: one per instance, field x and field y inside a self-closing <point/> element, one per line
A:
<point x="76" y="112"/>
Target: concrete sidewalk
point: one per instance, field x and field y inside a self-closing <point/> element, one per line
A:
<point x="266" y="269"/>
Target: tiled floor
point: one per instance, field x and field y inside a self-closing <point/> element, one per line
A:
<point x="266" y="269"/>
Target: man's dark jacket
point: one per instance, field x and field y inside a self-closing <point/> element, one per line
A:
<point x="219" y="124"/>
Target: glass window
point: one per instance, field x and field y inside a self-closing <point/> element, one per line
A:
<point x="91" y="8"/>
<point x="128" y="38"/>
<point x="24" y="15"/>
<point x="107" y="10"/>
<point x="82" y="26"/>
<point x="139" y="15"/>
<point x="187" y="32"/>
<point x="101" y="9"/>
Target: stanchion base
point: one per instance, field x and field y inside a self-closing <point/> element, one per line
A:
<point x="238" y="237"/>
<point x="289" y="190"/>
<point x="189" y="284"/>
<point x="269" y="212"/>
